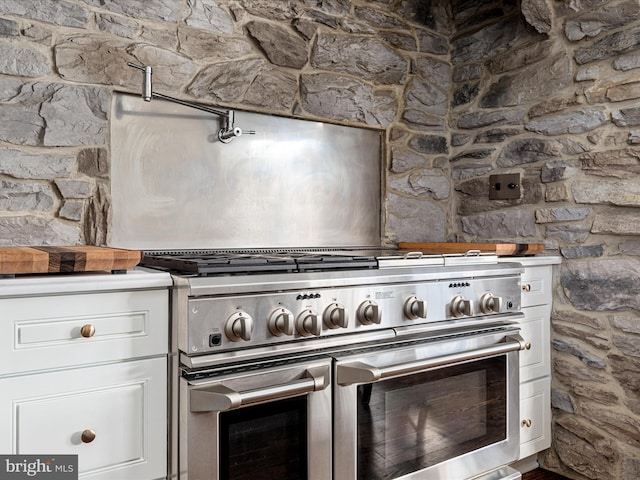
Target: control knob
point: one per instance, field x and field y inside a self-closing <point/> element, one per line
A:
<point x="489" y="303"/>
<point x="335" y="316"/>
<point x="369" y="312"/>
<point x="280" y="322"/>
<point x="415" y="308"/>
<point x="308" y="323"/>
<point x="239" y="326"/>
<point x="459" y="306"/>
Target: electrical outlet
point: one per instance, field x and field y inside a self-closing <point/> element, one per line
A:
<point x="504" y="187"/>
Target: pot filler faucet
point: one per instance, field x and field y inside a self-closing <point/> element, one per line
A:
<point x="228" y="131"/>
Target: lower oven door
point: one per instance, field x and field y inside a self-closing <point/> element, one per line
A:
<point x="271" y="422"/>
<point x="436" y="410"/>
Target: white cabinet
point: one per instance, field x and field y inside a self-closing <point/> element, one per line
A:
<point x="84" y="371"/>
<point x="112" y="416"/>
<point x="49" y="332"/>
<point x="536" y="285"/>
<point x="535" y="361"/>
<point x="535" y="414"/>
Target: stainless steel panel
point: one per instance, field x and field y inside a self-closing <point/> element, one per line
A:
<point x="210" y="315"/>
<point x="295" y="183"/>
<point x="234" y="285"/>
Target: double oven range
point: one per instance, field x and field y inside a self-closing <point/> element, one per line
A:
<point x="311" y="362"/>
<point x="342" y="365"/>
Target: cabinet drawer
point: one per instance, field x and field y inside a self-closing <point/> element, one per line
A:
<point x="535" y="416"/>
<point x="123" y="403"/>
<point x="537" y="286"/>
<point x="47" y="332"/>
<point x="535" y="329"/>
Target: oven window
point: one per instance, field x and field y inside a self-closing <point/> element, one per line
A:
<point x="267" y="441"/>
<point x="416" y="421"/>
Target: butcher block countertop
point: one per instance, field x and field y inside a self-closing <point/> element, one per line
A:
<point x="15" y="260"/>
<point x="76" y="269"/>
<point x="500" y="249"/>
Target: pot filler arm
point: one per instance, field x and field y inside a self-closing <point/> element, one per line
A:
<point x="227" y="132"/>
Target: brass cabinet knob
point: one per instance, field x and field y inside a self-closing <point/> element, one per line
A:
<point x="526" y="287"/>
<point x="527" y="346"/>
<point x="526" y="423"/>
<point x="87" y="331"/>
<point x="88" y="436"/>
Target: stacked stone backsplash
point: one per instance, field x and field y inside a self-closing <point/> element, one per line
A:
<point x="380" y="64"/>
<point x="546" y="88"/>
<point x="551" y="90"/>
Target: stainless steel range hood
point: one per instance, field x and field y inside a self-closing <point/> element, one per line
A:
<point x="295" y="183"/>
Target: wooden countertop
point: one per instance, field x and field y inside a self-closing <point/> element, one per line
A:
<point x="82" y="258"/>
<point x="499" y="249"/>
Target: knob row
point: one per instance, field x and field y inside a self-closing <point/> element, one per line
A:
<point x="460" y="306"/>
<point x="282" y="321"/>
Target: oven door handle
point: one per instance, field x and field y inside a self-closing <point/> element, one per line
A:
<point x="360" y="372"/>
<point x="219" y="398"/>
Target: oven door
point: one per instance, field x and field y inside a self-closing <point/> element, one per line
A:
<point x="265" y="422"/>
<point x="432" y="409"/>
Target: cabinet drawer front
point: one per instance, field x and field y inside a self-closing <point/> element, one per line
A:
<point x="59" y="331"/>
<point x="123" y="405"/>
<point x="51" y="332"/>
<point x="537" y="286"/>
<point x="535" y="329"/>
<point x="535" y="416"/>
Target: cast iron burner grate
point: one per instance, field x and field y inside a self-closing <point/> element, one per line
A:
<point x="223" y="263"/>
<point x="219" y="263"/>
<point x="334" y="262"/>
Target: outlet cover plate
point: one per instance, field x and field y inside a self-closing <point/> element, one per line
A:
<point x="504" y="187"/>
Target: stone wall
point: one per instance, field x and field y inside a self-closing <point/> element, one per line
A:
<point x="546" y="88"/>
<point x="381" y="64"/>
<point x="551" y="90"/>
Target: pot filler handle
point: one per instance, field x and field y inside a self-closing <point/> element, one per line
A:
<point x="219" y="398"/>
<point x="360" y="372"/>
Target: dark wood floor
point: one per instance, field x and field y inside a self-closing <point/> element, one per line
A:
<point x="540" y="474"/>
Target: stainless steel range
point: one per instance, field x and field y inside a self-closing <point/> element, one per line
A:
<point x="343" y="365"/>
<point x="257" y="304"/>
<point x="299" y="352"/>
